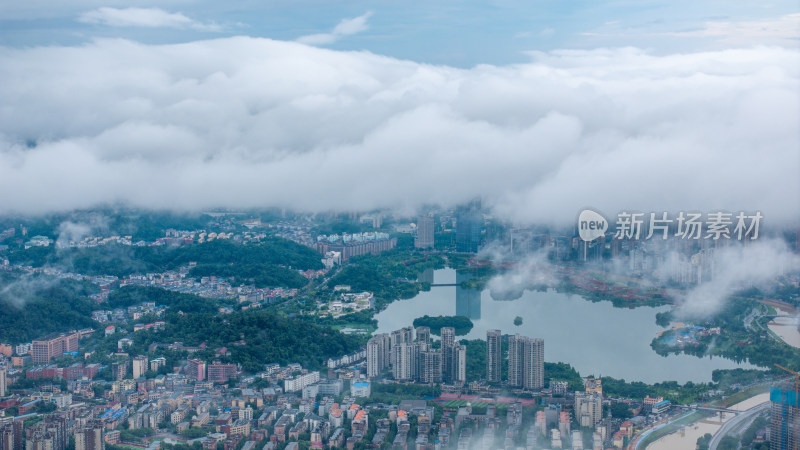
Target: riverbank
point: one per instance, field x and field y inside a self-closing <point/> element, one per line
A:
<point x="785" y="327"/>
<point x="686" y="438"/>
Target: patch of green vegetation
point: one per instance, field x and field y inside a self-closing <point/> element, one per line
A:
<point x="754" y="345"/>
<point x="704" y="441"/>
<point x="269" y="263"/>
<point x="462" y="324"/>
<point x="749" y="435"/>
<point x="176" y="301"/>
<point x="362" y="319"/>
<point x="136" y="435"/>
<point x="395" y="393"/>
<point x="670" y="390"/>
<point x="378" y="278"/>
<point x="621" y="411"/>
<point x="33" y="306"/>
<point x="743" y="395"/>
<point x="563" y="372"/>
<point x="390" y="275"/>
<point x="259" y="275"/>
<point x="623" y="299"/>
<point x="476" y="359"/>
<point x="147" y="226"/>
<point x="257" y="337"/>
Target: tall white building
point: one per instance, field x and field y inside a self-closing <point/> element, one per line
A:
<point x="405" y="361"/>
<point x="139" y="366"/>
<point x="377" y="354"/>
<point x="494" y="355"/>
<point x="402" y="336"/>
<point x="425" y="231"/>
<point x="588" y="408"/>
<point x="448" y="340"/>
<point x="525" y="362"/>
<point x="299" y="382"/>
<point x="429" y="367"/>
<point x="459" y="366"/>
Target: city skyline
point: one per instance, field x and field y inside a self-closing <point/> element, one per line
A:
<point x="452" y="225"/>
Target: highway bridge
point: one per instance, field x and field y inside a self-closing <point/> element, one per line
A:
<point x="738" y="424"/>
<point x="707" y="408"/>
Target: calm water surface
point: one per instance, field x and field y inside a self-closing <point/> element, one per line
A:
<point x="595" y="338"/>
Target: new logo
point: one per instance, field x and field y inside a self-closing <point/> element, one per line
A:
<point x="591" y="225"/>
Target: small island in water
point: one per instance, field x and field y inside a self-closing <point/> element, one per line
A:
<point x="462" y="324"/>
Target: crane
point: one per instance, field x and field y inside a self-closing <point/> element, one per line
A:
<point x="796" y="394"/>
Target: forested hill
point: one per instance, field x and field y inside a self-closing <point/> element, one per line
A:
<point x="174" y="301"/>
<point x="257" y="337"/>
<point x="266" y="264"/>
<point x="33" y="306"/>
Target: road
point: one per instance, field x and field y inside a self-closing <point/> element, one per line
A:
<point x="639" y="439"/>
<point x="752" y="323"/>
<point x="737" y="424"/>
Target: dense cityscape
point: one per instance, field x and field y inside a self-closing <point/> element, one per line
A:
<point x="449" y="225"/>
<point x="122" y="381"/>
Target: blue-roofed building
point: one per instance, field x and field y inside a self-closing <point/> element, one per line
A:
<point x="361" y="389"/>
<point x="661" y="407"/>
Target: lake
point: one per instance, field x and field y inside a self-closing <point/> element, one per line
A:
<point x="595" y="338"/>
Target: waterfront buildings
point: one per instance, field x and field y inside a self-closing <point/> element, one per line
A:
<point x="425" y="232"/>
<point x="378" y="354"/>
<point x="494" y="355"/>
<point x="525" y="362"/>
<point x="469" y="221"/>
<point x="454" y="357"/>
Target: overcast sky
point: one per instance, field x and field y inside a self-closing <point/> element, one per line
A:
<point x="543" y="108"/>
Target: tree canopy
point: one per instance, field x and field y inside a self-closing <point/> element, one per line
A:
<point x="462" y="324"/>
<point x="33" y="306"/>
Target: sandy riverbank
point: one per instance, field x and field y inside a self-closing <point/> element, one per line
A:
<point x="786" y="328"/>
<point x="672" y="326"/>
<point x="688" y="439"/>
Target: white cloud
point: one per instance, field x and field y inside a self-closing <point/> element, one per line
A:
<point x="143" y="17"/>
<point x="244" y="122"/>
<point x="738" y="267"/>
<point x="782" y="31"/>
<point x="346" y="27"/>
<point x="785" y="30"/>
<point x="70" y="230"/>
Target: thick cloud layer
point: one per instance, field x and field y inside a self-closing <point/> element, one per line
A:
<point x="739" y="267"/>
<point x="244" y="122"/>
